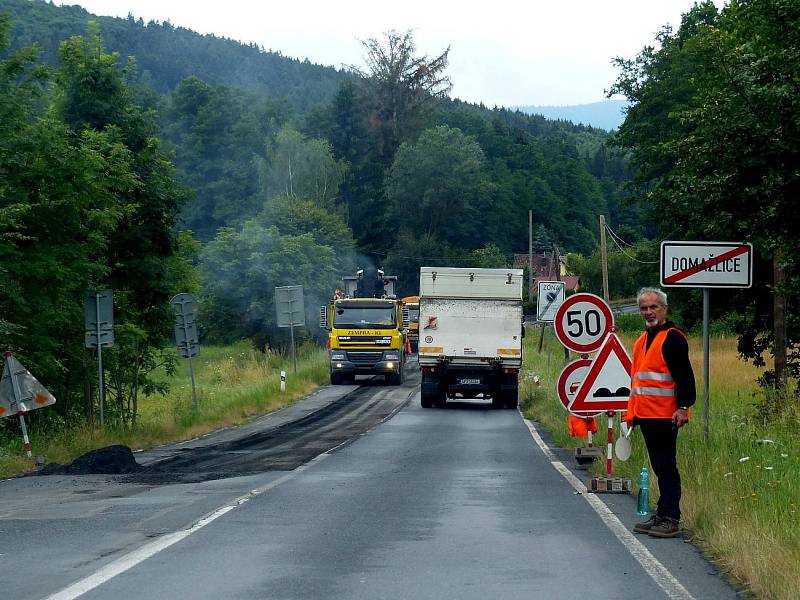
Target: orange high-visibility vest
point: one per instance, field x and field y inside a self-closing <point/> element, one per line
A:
<point x="653" y="391"/>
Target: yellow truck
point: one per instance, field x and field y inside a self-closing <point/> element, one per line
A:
<point x="365" y="333"/>
<point x="411" y="320"/>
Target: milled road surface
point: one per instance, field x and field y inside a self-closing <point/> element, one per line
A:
<point x="452" y="503"/>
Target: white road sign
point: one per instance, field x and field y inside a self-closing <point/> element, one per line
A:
<point x="550" y="295"/>
<point x="582" y="322"/>
<point x="20" y="391"/>
<point x="706" y="264"/>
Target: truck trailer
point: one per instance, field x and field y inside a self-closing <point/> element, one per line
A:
<point x="470" y="335"/>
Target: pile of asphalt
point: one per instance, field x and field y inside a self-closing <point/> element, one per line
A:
<point x="109" y="460"/>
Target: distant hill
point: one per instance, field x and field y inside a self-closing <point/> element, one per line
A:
<point x="165" y="54"/>
<point x="606" y="115"/>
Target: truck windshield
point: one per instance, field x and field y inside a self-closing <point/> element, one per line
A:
<point x="365" y="316"/>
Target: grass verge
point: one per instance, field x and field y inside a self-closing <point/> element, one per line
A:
<point x="233" y="383"/>
<point x="741" y="486"/>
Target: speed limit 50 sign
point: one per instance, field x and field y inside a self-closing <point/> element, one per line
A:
<point x="582" y="322"/>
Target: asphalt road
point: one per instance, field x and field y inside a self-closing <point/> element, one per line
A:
<point x="400" y="502"/>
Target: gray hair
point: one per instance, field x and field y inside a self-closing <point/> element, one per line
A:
<point x="662" y="297"/>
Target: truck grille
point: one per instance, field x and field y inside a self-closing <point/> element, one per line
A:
<point x="364" y="358"/>
<point x="363" y="340"/>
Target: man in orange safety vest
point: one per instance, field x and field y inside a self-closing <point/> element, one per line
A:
<point x="662" y="390"/>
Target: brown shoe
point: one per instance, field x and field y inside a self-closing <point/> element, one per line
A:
<point x="665" y="528"/>
<point x="645" y="526"/>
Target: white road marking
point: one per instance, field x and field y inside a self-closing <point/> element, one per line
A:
<point x="658" y="572"/>
<point x="142" y="553"/>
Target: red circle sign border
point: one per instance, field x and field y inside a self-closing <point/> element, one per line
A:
<point x="583" y="297"/>
<point x="566" y="372"/>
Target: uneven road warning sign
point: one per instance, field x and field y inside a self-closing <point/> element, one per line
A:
<point x="582" y="322"/>
<point x="607" y="383"/>
<point x="706" y="264"/>
<point x="570" y="380"/>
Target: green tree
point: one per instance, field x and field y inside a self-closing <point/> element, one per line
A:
<point x="404" y="87"/>
<point x="439" y="186"/>
<point x="714" y="135"/>
<point x="92" y="97"/>
<point x="59" y="207"/>
<point x="301" y="168"/>
<point x="489" y="257"/>
<point x="240" y="270"/>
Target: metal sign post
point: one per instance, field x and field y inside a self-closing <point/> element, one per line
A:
<point x="290" y="310"/>
<point x="99" y="323"/>
<point x="186" y="338"/>
<point x="706" y="265"/>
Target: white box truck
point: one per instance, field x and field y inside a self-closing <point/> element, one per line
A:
<point x="470" y="334"/>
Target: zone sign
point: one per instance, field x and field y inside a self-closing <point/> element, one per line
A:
<point x="549" y="298"/>
<point x="582" y="322"/>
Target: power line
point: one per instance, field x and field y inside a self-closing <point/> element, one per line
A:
<point x="644" y="262"/>
<point x="614" y="234"/>
<point x="448" y="258"/>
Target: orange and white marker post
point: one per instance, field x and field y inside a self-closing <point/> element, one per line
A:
<point x="26" y="443"/>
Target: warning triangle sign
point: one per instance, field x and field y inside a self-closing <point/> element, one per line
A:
<point x="29" y="394"/>
<point x="607" y="384"/>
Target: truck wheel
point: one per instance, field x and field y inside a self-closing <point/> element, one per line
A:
<point x="497" y="399"/>
<point x="336" y="378"/>
<point x="397" y="378"/>
<point x="425" y="400"/>
<point x="511" y="398"/>
<point x="441" y="398"/>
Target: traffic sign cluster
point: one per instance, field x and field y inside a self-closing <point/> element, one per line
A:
<point x="587" y="387"/>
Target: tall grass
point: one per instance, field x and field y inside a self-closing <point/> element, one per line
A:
<point x="233" y="384"/>
<point x="741" y="487"/>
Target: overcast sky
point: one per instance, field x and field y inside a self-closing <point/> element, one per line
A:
<point x="554" y="52"/>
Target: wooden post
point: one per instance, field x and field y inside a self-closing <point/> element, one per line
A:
<point x="557" y="261"/>
<point x="530" y="255"/>
<point x="604" y="256"/>
<point x="779" y="320"/>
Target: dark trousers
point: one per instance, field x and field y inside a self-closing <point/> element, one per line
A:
<point x="661" y="437"/>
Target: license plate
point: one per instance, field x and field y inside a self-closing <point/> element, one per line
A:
<point x="469" y="381"/>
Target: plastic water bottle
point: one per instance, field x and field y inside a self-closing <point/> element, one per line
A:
<point x="643" y="499"/>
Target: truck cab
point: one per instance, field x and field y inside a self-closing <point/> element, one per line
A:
<point x="411" y="320"/>
<point x="366" y="334"/>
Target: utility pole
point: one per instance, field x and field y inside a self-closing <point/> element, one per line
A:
<point x="604" y="256"/>
<point x="557" y="261"/>
<point x="530" y="254"/>
<point x="779" y="320"/>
